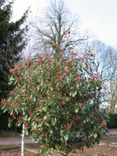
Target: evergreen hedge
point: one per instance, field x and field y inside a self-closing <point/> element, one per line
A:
<point x="112" y="121"/>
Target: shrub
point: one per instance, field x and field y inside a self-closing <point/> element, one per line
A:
<point x="58" y="101"/>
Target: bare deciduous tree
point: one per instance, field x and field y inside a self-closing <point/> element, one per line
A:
<point x="56" y="31"/>
<point x="107" y="58"/>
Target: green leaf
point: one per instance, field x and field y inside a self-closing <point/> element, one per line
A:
<point x="76" y="110"/>
<point x="66" y="137"/>
<point x="44" y="109"/>
<point x="54" y="121"/>
<point x="67" y="79"/>
<point x="80" y="93"/>
<point x="73" y="94"/>
<point x="78" y="134"/>
<point x="95" y="135"/>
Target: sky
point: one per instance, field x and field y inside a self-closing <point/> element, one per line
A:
<point x="98" y="17"/>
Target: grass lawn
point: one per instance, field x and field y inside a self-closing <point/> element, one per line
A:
<point x="8" y="133"/>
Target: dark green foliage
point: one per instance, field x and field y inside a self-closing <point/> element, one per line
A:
<point x="4" y="120"/>
<point x="11" y="44"/>
<point x="112" y="121"/>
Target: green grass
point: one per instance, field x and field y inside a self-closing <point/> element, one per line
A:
<point x="8" y="133"/>
<point x="9" y="147"/>
<point x="30" y="147"/>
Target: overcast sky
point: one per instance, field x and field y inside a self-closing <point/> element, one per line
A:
<point x="99" y="17"/>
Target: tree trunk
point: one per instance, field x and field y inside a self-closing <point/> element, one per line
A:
<point x="22" y="141"/>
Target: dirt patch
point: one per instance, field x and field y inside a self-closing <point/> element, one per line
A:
<point x="15" y="152"/>
<point x="98" y="150"/>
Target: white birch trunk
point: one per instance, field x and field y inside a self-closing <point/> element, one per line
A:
<point x="22" y="141"/>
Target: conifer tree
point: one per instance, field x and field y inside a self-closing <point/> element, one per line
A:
<point x="12" y="43"/>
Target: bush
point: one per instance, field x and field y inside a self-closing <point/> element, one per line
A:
<point x="58" y="102"/>
<point x="112" y="121"/>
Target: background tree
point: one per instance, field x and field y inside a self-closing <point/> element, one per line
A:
<point x="107" y="61"/>
<point x="11" y="44"/>
<point x="56" y="31"/>
<point x="111" y="63"/>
